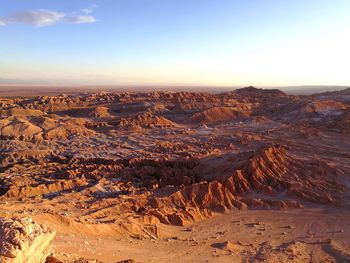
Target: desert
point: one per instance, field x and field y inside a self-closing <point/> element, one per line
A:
<point x="181" y="131"/>
<point x="247" y="175"/>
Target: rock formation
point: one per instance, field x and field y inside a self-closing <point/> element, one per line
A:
<point x="23" y="241"/>
<point x="136" y="163"/>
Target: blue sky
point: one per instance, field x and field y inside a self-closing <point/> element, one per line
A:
<point x="182" y="42"/>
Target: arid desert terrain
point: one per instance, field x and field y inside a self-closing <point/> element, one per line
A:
<point x="251" y="175"/>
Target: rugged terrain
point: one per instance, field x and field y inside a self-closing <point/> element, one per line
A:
<point x="244" y="176"/>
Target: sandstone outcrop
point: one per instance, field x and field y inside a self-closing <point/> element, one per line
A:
<point x="23" y="241"/>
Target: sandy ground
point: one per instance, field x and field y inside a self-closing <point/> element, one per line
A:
<point x="295" y="235"/>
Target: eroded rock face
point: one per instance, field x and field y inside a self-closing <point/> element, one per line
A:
<point x="24" y="241"/>
<point x="146" y="120"/>
<point x="136" y="159"/>
<point x="265" y="173"/>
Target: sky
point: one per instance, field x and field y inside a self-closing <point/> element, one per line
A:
<point x="175" y="42"/>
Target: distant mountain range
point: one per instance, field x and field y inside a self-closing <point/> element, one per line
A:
<point x="16" y="88"/>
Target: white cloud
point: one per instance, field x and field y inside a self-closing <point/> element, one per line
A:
<point x="40" y="17"/>
<point x="43" y="17"/>
<point x="86" y="10"/>
<point x="82" y="19"/>
<point x="89" y="10"/>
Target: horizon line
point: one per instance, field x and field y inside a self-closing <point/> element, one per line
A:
<point x="161" y="85"/>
